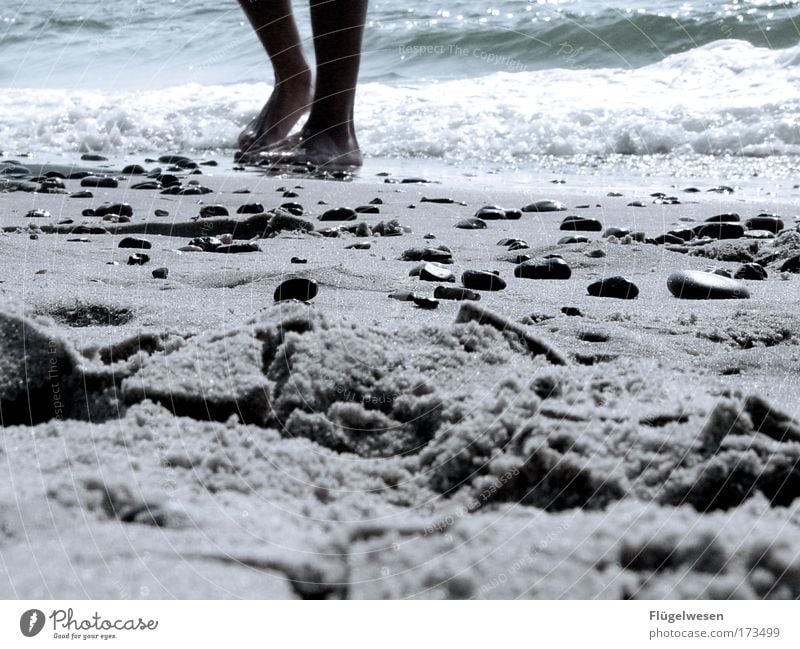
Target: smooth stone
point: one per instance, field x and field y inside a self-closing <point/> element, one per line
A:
<point x="513" y="215"/>
<point x="565" y="241"/>
<point x="359" y="245"/>
<point x="596" y="253"/>
<point x="637" y="204"/>
<point x="441" y="201"/>
<point x="166" y="180"/>
<point x="38" y="214"/>
<point x="134" y="170"/>
<point x="161" y="212"/>
<point x="518" y="246"/>
<point x="616" y="232"/>
<point x="298" y="260"/>
<point x="99" y="181"/>
<point x="160" y="273"/>
<point x="368" y="209"/>
<point x="721" y="230"/>
<point x="138" y="259"/>
<point x="425" y="302"/>
<point x="207" y="211"/>
<point x="432" y="273"/>
<point x="82" y="194"/>
<point x="791" y="265"/>
<point x="544" y="206"/>
<point x="120" y="209"/>
<point x="149" y="184"/>
<point x="722" y="272"/>
<point x="293" y="208"/>
<point x="727" y="217"/>
<point x="722" y="189"/>
<point x="579" y="223"/>
<point x="297" y="288"/>
<point x="758" y="234"/>
<point x="769" y="223"/>
<point x="698" y="285"/>
<point x="751" y="271"/>
<point x="667" y="238"/>
<point x="235" y="248"/>
<point x="339" y="214"/>
<point x="546" y="268"/>
<point x="571" y="311"/>
<point x="376" y="201"/>
<point x="402" y="296"/>
<point x="428" y="254"/>
<point x="686" y="234"/>
<point x="455" y="293"/>
<point x="491" y="213"/>
<point x="135" y="242"/>
<point x="250" y="208"/>
<point x="512" y="242"/>
<point x="482" y="280"/>
<point x="471" y="223"/>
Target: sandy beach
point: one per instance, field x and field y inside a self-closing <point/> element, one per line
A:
<point x="189" y="437"/>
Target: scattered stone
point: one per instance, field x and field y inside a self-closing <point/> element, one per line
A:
<point x="722" y="189"/>
<point x="616" y="232"/>
<point x="791" y="265"/>
<point x="698" y="285"/>
<point x="250" y="208"/>
<point x="135" y="242"/>
<point x="769" y="223"/>
<point x="295" y="209"/>
<point x="149" y="184"/>
<point x="208" y="211"/>
<point x="520" y="243"/>
<point x="667" y="238"/>
<point x="727" y="217"/>
<point x="545" y="268"/>
<point x="616" y="287"/>
<point x="471" y="223"/>
<point x="138" y="259"/>
<point x="686" y="234"/>
<point x="93" y="157"/>
<point x="482" y="280"/>
<point x="758" y="234"/>
<point x="455" y="293"/>
<point x="579" y="223"/>
<point x="359" y="245"/>
<point x="432" y="273"/>
<point x="235" y="248"/>
<point x="565" y="241"/>
<point x="82" y="194"/>
<point x="721" y="230"/>
<point x="368" y="209"/>
<point x="428" y="254"/>
<point x="134" y="170"/>
<point x="119" y="209"/>
<point x="491" y="213"/>
<point x="339" y="214"/>
<point x="544" y="206"/>
<point x="637" y="204"/>
<point x="597" y="253"/>
<point x="751" y="271"/>
<point x="389" y="229"/>
<point x="571" y="311"/>
<point x="297" y="288"/>
<point x="160" y="273"/>
<point x="402" y="296"/>
<point x="161" y="212"/>
<point x="298" y="260"/>
<point x="99" y="181"/>
<point x="722" y="272"/>
<point x="38" y="214"/>
<point x="426" y="302"/>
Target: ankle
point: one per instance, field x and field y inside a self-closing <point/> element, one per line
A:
<point x="299" y="80"/>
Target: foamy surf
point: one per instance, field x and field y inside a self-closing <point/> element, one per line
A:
<point x="728" y="97"/>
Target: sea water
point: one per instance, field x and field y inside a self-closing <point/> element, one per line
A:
<point x="496" y="83"/>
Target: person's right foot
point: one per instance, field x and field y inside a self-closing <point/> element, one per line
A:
<point x="289" y="101"/>
<point x="332" y="149"/>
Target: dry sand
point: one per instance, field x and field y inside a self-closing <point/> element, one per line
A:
<point x="189" y="438"/>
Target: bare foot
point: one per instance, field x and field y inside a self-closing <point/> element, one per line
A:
<point x="289" y="101"/>
<point x="326" y="149"/>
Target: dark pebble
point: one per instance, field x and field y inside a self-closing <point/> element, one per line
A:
<point x="193" y="190"/>
<point x="544" y="206"/>
<point x="99" y="181"/>
<point x="432" y="273"/>
<point x="512" y="242"/>
<point x="138" y="259"/>
<point x="751" y="271"/>
<point x="161" y="212"/>
<point x="134" y="170"/>
<point x="368" y="209"/>
<point x="38" y="214"/>
<point x="297" y="288"/>
<point x="339" y="214"/>
<point x="293" y="208"/>
<point x="564" y="241"/>
<point x="298" y="260"/>
<point x="234" y="248"/>
<point x="428" y="254"/>
<point x="722" y="230"/>
<point x="208" y="211"/>
<point x="546" y="268"/>
<point x="135" y="242"/>
<point x="791" y="265"/>
<point x="455" y="293"/>
<point x="727" y="217"/>
<point x="482" y="280"/>
<point x="150" y="184"/>
<point x="441" y="201"/>
<point x="290" y="194"/>
<point x="471" y="223"/>
<point x="250" y="208"/>
<point x="670" y="239"/>
<point x="571" y="311"/>
<point x="376" y="201"/>
<point x="491" y="213"/>
<point x="579" y="223"/>
<point x="698" y="285"/>
<point x="425" y="302"/>
<point x="402" y="296"/>
<point x="685" y="234"/>
<point x="616" y="232"/>
<point x="769" y="223"/>
<point x="93" y="157"/>
<point x="160" y="273"/>
<point x="617" y="287"/>
<point x="120" y="209"/>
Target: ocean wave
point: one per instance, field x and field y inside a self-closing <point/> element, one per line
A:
<point x="728" y="97"/>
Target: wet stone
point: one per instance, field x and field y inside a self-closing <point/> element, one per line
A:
<point x="727" y="217"/>
<point x="99" y="181"/>
<point x="297" y="288"/>
<point x="433" y="273"/>
<point x="455" y="293"/>
<point x="150" y="184"/>
<point x="544" y="206"/>
<point x="579" y="223"/>
<point x="667" y="238"/>
<point x="491" y="213"/>
<point x="721" y="230"/>
<point x="134" y="170"/>
<point x="428" y="254"/>
<point x="236" y="248"/>
<point x="138" y="259"/>
<point x="482" y="280"/>
<point x="471" y="223"/>
<point x="402" y="296"/>
<point x="38" y="214"/>
<point x="686" y="234"/>
<point x="293" y="208"/>
<point x="698" y="285"/>
<point x="250" y="208"/>
<point x="545" y="268"/>
<point x="135" y="242"/>
<point x="615" y="287"/>
<point x="160" y="273"/>
<point x="298" y="260"/>
<point x="208" y="211"/>
<point x="791" y="265"/>
<point x="120" y="209"/>
<point x="565" y="241"/>
<point x="425" y="302"/>
<point x="82" y="194"/>
<point x="339" y="214"/>
<point x="769" y="223"/>
<point x="368" y="209"/>
<point x="751" y="271"/>
<point x="616" y="232"/>
<point x="571" y="311"/>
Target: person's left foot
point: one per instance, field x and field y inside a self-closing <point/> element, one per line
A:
<point x="320" y="149"/>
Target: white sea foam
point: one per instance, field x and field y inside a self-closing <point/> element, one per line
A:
<point x="727" y="97"/>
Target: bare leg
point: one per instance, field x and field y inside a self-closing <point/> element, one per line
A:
<point x="329" y="136"/>
<point x="274" y="24"/>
